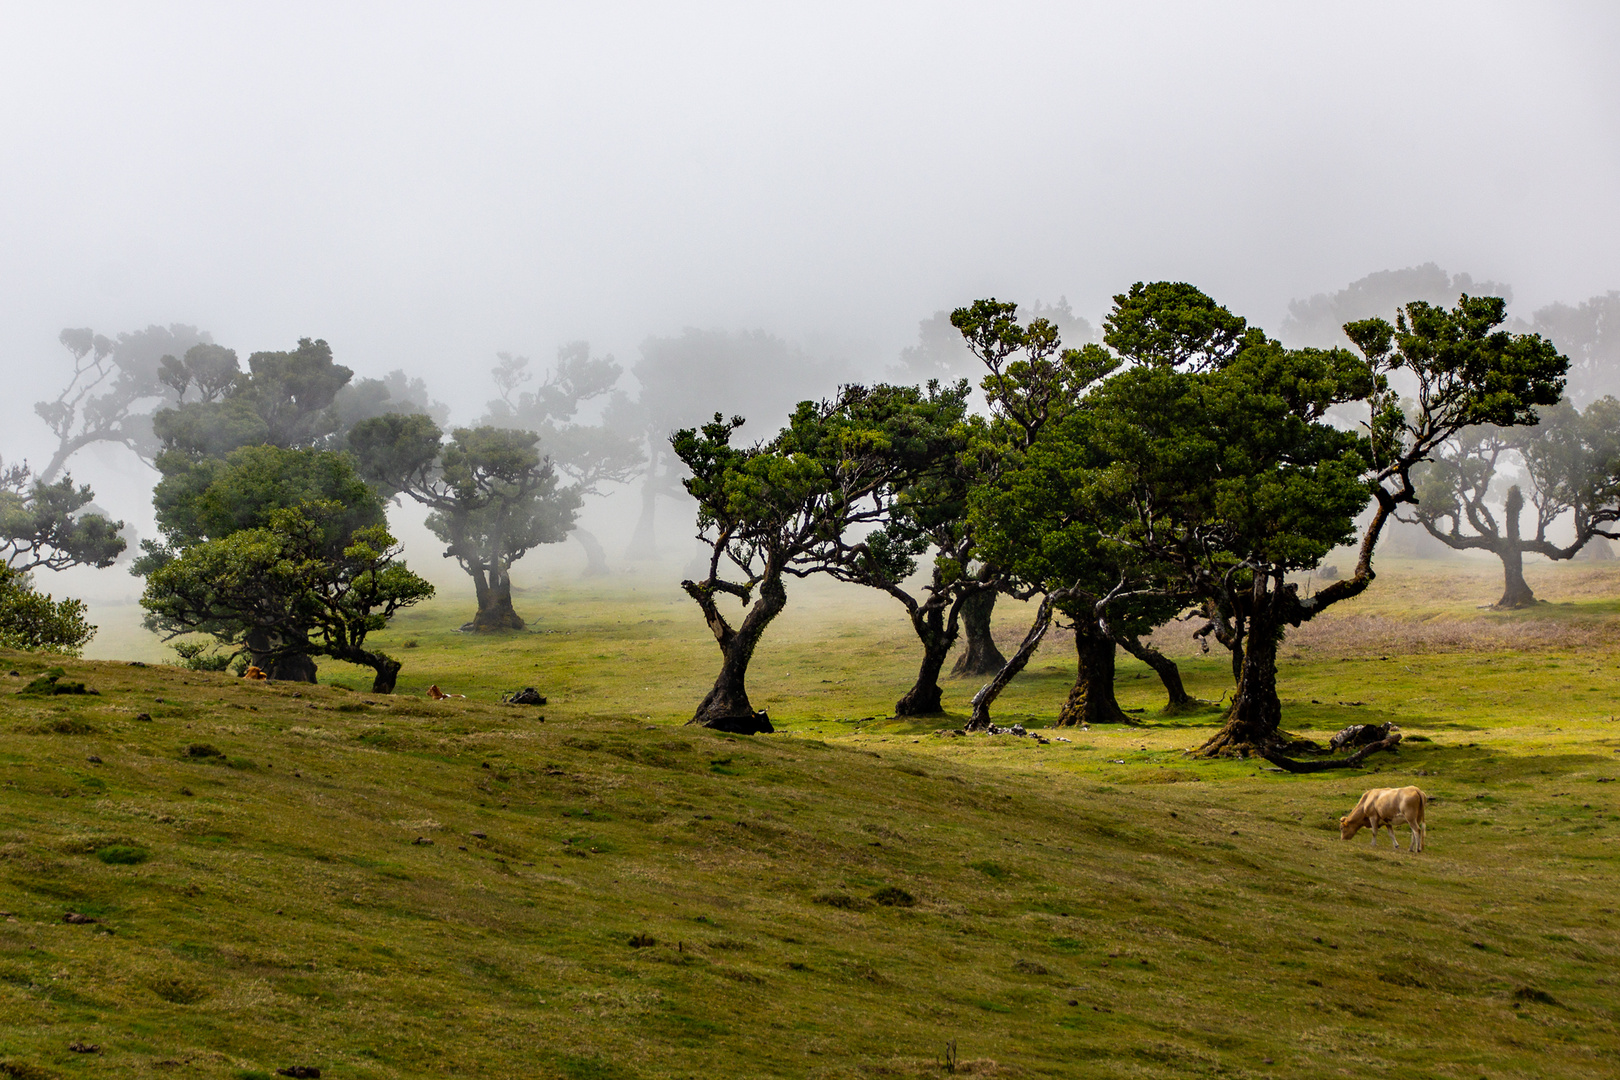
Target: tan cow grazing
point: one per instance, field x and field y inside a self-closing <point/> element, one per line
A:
<point x="1383" y="807"/>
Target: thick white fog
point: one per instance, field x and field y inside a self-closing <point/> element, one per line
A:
<point x="425" y="185"/>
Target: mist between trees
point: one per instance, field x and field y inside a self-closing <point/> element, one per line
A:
<point x="1175" y="462"/>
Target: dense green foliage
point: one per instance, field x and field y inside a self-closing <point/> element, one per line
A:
<point x="31" y="620"/>
<point x="1210" y="468"/>
<point x="793" y="506"/>
<point x="281" y="554"/>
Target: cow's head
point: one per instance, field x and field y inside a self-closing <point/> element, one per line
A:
<point x="1347" y="828"/>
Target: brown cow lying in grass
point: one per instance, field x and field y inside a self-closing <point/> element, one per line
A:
<point x="1383" y="807"/>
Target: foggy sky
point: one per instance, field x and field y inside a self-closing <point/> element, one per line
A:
<point x="423" y="185"/>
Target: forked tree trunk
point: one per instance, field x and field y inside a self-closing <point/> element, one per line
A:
<point x="726" y="706"/>
<point x="1167" y="671"/>
<point x="495" y="613"/>
<point x="980" y="657"/>
<point x="1230" y="634"/>
<point x="925" y="697"/>
<point x="595" y="557"/>
<point x="1255" y="717"/>
<point x="980" y="720"/>
<point x="1091" y="700"/>
<point x="1516" y="591"/>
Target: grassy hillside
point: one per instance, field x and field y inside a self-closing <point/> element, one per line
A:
<point x="385" y="887"/>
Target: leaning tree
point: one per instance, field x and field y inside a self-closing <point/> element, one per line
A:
<point x="1226" y="469"/>
<point x="784" y="508"/>
<point x="1568" y="464"/>
<point x="114" y="386"/>
<point x="492" y="495"/>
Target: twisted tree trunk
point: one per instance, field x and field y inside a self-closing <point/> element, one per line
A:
<point x="272" y="656"/>
<point x="644" y="541"/>
<point x="925" y="697"/>
<point x="980" y="720"/>
<point x="1255" y="716"/>
<point x="386" y="668"/>
<point x="726" y="706"/>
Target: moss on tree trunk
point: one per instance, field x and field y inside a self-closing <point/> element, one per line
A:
<point x="495" y="612"/>
<point x="1254" y="720"/>
<point x="1091" y="699"/>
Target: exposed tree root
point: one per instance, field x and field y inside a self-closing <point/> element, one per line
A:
<point x="1351" y="762"/>
<point x="1188" y="707"/>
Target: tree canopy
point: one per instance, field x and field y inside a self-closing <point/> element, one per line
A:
<point x="1231" y="476"/>
<point x="589" y="454"/>
<point x="47" y="524"/>
<point x="492" y="495"/>
<point x="114" y="386"/>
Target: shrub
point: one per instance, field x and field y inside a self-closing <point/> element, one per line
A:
<point x="844" y="901"/>
<point x="122" y="855"/>
<point x="178" y="990"/>
<point x="894" y="896"/>
<point x="50" y="682"/>
<point x="202" y="656"/>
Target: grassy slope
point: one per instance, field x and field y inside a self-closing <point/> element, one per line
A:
<point x="285" y="916"/>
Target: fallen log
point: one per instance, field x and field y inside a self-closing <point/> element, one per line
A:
<point x="1290" y="765"/>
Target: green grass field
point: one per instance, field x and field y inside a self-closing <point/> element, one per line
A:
<point x="388" y="887"/>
